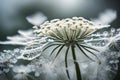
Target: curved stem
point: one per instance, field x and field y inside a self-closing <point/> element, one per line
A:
<point x="80" y="48"/>
<point x="54" y="49"/>
<point x="66" y="64"/>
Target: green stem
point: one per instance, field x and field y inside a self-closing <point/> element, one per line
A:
<point x="78" y="73"/>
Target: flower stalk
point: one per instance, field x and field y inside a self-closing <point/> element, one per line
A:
<point x="78" y="72"/>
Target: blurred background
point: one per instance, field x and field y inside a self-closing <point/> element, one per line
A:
<point x="13" y="12"/>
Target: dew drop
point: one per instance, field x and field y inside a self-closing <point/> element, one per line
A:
<point x="105" y="33"/>
<point x="113" y="30"/>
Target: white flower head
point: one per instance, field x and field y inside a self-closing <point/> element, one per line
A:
<point x="21" y="69"/>
<point x="22" y="72"/>
<point x="67" y="29"/>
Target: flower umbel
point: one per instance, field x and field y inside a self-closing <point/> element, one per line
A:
<point x="70" y="34"/>
<point x="22" y="72"/>
<point x="67" y="30"/>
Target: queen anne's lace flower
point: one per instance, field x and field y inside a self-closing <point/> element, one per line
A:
<point x="70" y="34"/>
<point x="66" y="30"/>
<point x="22" y="72"/>
<point x="63" y="44"/>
